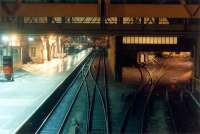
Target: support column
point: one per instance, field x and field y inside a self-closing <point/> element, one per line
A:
<point x="25" y="51"/>
<point x="44" y="51"/>
<point x="114" y="57"/>
<point x="58" y="47"/>
<point x="118" y="64"/>
<point x="103" y="11"/>
<point x="111" y="55"/>
<point x="49" y="52"/>
<point x="61" y="47"/>
<point x="196" y="67"/>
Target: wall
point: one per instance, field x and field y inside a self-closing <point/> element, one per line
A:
<point x="38" y="56"/>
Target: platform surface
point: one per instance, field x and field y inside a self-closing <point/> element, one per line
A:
<point x="33" y="84"/>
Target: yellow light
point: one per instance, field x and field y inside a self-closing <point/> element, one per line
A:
<point x="150" y="40"/>
<point x="13" y="37"/>
<point x="14" y="40"/>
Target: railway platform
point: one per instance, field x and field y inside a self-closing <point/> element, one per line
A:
<point x="33" y="84"/>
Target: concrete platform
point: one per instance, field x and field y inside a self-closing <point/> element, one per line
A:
<point x="33" y="84"/>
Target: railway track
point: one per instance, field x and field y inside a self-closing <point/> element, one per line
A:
<point x="135" y="113"/>
<point x="88" y="89"/>
<point x="182" y="116"/>
<point x="138" y="110"/>
<point x="158" y="94"/>
<point x="99" y="102"/>
<point x="185" y="109"/>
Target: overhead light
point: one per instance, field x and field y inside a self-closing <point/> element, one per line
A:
<point x="13" y="37"/>
<point x="88" y="39"/>
<point x="30" y="39"/>
<point x="5" y="38"/>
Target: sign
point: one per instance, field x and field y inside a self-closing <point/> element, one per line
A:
<point x="8" y="67"/>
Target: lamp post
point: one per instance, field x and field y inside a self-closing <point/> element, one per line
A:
<point x="13" y="38"/>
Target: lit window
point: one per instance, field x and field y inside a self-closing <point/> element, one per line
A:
<point x="128" y="40"/>
<point x="144" y="40"/>
<point x="149" y="40"/>
<point x="124" y="40"/>
<point x="155" y="40"/>
<point x="140" y="40"/>
<point x="159" y="41"/>
<point x="136" y="40"/>
<point x="171" y="40"/>
<point x="175" y="40"/>
<point x="163" y="41"/>
<point x="132" y="40"/>
<point x="167" y="40"/>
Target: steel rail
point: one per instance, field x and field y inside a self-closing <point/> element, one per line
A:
<point x="193" y="98"/>
<point x="62" y="125"/>
<point x="154" y="85"/>
<point x="171" y="114"/>
<point x="88" y="101"/>
<point x="131" y="107"/>
<point x="152" y="88"/>
<point x="88" y="98"/>
<point x="106" y="93"/>
<point x="97" y="88"/>
<point x="90" y="111"/>
<point x="103" y="97"/>
<point x="151" y="85"/>
<point x="59" y="101"/>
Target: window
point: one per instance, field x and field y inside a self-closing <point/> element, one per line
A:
<point x="160" y="40"/>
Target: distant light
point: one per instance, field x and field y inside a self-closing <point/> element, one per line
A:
<point x="30" y="39"/>
<point x="5" y="38"/>
<point x="88" y="39"/>
<point x="80" y="47"/>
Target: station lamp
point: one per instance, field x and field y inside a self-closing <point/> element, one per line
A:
<point x="13" y="37"/>
<point x="30" y="39"/>
<point x="88" y="39"/>
<point x="5" y="38"/>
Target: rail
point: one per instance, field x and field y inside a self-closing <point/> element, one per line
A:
<point x="103" y="98"/>
<point x="35" y="121"/>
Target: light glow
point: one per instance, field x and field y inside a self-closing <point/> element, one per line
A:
<point x="30" y="39"/>
<point x="5" y="38"/>
<point x="13" y="37"/>
<point x="88" y="39"/>
<point x="154" y="40"/>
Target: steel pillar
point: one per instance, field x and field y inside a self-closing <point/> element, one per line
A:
<point x="196" y="67"/>
<point x="118" y="64"/>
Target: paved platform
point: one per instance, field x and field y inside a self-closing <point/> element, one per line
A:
<point x="33" y="84"/>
